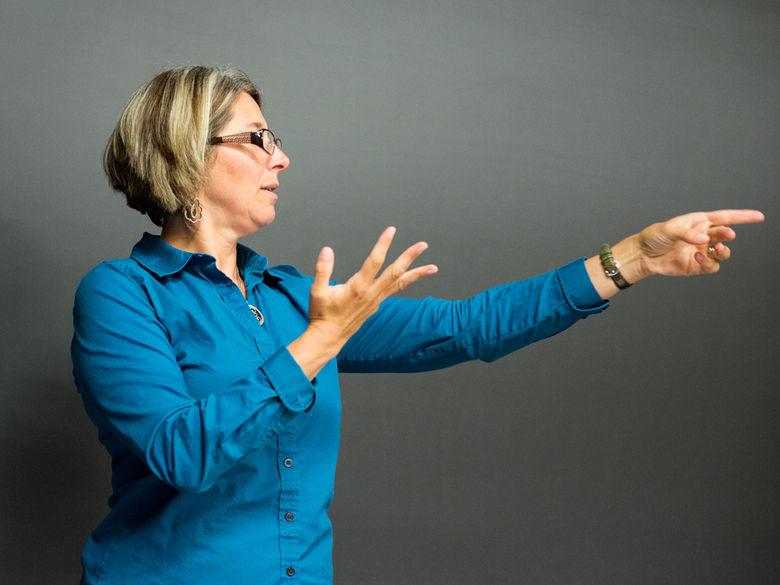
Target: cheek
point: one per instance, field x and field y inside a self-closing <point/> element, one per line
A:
<point x="241" y="170"/>
<point x="236" y="168"/>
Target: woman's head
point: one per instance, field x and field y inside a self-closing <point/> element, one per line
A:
<point x="158" y="153"/>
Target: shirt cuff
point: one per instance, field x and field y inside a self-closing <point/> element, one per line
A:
<point x="578" y="289"/>
<point x="293" y="387"/>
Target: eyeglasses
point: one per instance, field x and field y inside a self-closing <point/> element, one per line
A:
<point x="263" y="138"/>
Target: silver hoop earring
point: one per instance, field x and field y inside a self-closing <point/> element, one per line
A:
<point x="195" y="212"/>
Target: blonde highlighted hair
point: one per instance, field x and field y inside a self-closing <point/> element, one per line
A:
<point x="158" y="152"/>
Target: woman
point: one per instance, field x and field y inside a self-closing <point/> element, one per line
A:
<point x="213" y="378"/>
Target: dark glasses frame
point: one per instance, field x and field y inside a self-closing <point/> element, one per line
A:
<point x="255" y="137"/>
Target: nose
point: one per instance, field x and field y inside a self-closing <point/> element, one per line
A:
<point x="279" y="160"/>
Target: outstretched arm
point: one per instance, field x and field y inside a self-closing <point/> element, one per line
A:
<point x="686" y="245"/>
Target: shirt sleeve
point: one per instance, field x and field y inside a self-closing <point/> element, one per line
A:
<point x="132" y="386"/>
<point x="409" y="335"/>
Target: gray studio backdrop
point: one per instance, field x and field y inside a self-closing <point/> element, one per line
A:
<point x="639" y="447"/>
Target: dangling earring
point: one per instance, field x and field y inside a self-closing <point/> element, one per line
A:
<point x="195" y="212"/>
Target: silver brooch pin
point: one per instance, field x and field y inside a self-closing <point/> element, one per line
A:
<point x="258" y="314"/>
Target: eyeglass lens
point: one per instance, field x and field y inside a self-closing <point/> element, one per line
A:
<point x="269" y="141"/>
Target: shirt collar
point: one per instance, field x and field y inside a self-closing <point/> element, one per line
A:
<point x="163" y="259"/>
<point x="253" y="264"/>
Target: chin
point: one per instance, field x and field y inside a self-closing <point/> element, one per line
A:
<point x="266" y="219"/>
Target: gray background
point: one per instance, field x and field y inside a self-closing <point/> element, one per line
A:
<point x="639" y="447"/>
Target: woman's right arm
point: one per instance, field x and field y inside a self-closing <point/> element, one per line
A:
<point x="132" y="385"/>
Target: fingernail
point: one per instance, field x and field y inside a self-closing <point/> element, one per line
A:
<point x="326" y="254"/>
<point x="391" y="231"/>
<point x="433" y="270"/>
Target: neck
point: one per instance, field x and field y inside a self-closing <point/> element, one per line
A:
<point x="203" y="240"/>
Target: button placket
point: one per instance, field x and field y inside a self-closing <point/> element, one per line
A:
<point x="289" y="476"/>
<point x="256" y="322"/>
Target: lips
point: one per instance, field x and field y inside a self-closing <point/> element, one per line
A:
<point x="271" y="187"/>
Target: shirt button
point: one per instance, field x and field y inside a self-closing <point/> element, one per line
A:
<point x="288" y="462"/>
<point x="289" y="516"/>
<point x="290" y="571"/>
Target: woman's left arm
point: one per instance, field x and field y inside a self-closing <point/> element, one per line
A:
<point x="686" y="245"/>
<point x="412" y="335"/>
<point x="416" y="335"/>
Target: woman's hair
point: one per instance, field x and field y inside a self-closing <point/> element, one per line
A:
<point x="158" y="152"/>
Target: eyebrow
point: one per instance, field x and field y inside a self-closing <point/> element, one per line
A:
<point x="258" y="126"/>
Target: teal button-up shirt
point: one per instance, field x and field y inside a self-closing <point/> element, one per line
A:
<point x="223" y="451"/>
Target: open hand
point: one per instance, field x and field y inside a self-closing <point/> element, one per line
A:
<point x="336" y="312"/>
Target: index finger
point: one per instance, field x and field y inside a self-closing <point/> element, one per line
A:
<point x="729" y="216"/>
<point x="378" y="253"/>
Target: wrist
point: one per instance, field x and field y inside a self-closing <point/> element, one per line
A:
<point x="629" y="257"/>
<point x="323" y="334"/>
<point x="630" y="260"/>
<point x="313" y="349"/>
<point x="611" y="267"/>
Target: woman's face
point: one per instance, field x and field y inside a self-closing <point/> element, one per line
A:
<point x="237" y="196"/>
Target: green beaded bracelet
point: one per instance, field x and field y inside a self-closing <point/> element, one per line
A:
<point x="611" y="267"/>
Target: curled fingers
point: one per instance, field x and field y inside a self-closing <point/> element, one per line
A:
<point x="397" y="275"/>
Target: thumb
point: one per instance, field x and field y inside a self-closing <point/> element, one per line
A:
<point x="323" y="269"/>
<point x="687" y="234"/>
